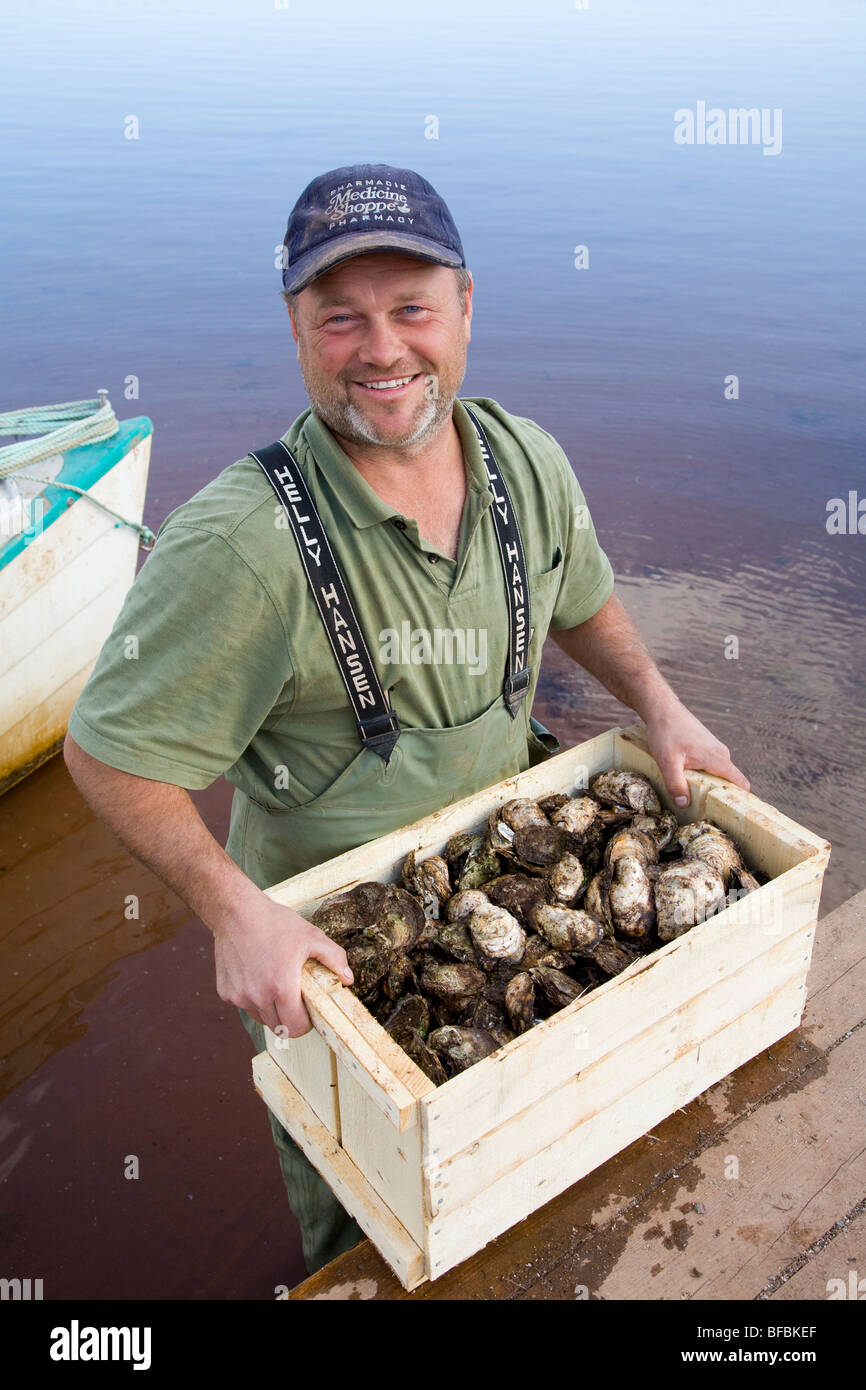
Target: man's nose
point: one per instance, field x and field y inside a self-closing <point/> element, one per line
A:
<point x="383" y="341"/>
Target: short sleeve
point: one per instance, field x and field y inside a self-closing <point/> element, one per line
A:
<point x="195" y="662"/>
<point x="587" y="578"/>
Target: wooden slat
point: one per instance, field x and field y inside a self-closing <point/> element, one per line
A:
<point x="344" y="1178"/>
<point x="390" y="1158"/>
<point x="328" y="1004"/>
<point x="523" y="1139"/>
<point x="483" y="1097"/>
<point x="312" y="1067"/>
<point x="512" y="1197"/>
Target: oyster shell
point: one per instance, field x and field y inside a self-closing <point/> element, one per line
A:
<point x="411" y="1012"/>
<point x="540" y="952"/>
<point x="464" y="903"/>
<point x="421" y="1053"/>
<point x="517" y="893"/>
<point x="552" y="803"/>
<point x="537" y="847"/>
<point x="498" y="980"/>
<point x="631" y="898"/>
<point x="455" y="939"/>
<point x="626" y="790"/>
<point x="611" y="957"/>
<point x="703" y="840"/>
<point x="521" y="813"/>
<point x="520" y="1001"/>
<point x="578" y="816"/>
<point x="629" y="843"/>
<point x="369" y="953"/>
<point x="566" y="928"/>
<point x="685" y="895"/>
<point x="492" y="1018"/>
<point x="401" y="917"/>
<point x="339" y="918"/>
<point x="558" y="988"/>
<point x="566" y="879"/>
<point x="497" y="934"/>
<point x="453" y="983"/>
<point x="460" y="1048"/>
<point x="597" y="900"/>
<point x="429" y="881"/>
<point x="481" y="864"/>
<point x="400" y="978"/>
<point x="663" y="828"/>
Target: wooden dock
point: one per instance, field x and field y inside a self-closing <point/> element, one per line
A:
<point x="755" y="1190"/>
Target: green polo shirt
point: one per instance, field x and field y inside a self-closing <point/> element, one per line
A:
<point x="219" y="664"/>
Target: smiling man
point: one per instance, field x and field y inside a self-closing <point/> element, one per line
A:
<point x="390" y="506"/>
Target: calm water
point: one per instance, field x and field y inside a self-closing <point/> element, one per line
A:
<point x="153" y="259"/>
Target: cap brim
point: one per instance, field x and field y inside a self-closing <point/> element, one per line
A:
<point x="343" y="248"/>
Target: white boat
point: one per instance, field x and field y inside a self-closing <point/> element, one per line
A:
<point x="70" y="530"/>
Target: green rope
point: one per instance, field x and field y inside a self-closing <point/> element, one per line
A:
<point x="69" y="425"/>
<point x="145" y="535"/>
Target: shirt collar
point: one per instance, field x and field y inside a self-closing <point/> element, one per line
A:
<point x="358" y="499"/>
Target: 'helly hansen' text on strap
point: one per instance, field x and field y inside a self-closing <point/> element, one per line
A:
<point x="518" y="675"/>
<point x="378" y="725"/>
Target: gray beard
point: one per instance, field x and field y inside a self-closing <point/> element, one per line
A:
<point x="348" y="420"/>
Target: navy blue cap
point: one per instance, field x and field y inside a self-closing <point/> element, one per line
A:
<point x="366" y="207"/>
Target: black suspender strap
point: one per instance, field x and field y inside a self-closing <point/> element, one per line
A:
<point x="518" y="675"/>
<point x="378" y="725"/>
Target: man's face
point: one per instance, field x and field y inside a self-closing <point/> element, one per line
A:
<point x="376" y="318"/>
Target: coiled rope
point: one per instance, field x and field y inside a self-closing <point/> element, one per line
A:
<point x="69" y="425"/>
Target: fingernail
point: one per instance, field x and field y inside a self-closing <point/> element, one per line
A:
<point x="348" y="977"/>
<point x="682" y="800"/>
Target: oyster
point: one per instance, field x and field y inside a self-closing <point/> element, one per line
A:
<point x="453" y="983"/>
<point x="663" y="828"/>
<point x="492" y="1018"/>
<point x="464" y="903"/>
<point x="629" y="843"/>
<point x="597" y="900"/>
<point x="685" y="895"/>
<point x="578" y="816"/>
<point x="566" y="879"/>
<point x="631" y="899"/>
<point x="498" y="981"/>
<point x="518" y="893"/>
<point x="497" y="934"/>
<point x="520" y="1001"/>
<point x="455" y="939"/>
<point x="400" y="978"/>
<point x="611" y="957"/>
<point x="566" y="928"/>
<point x="429" y="881"/>
<point x="369" y="953"/>
<point x="551" y="803"/>
<point x="401" y="917"/>
<point x="703" y="840"/>
<point x="626" y="791"/>
<point x="522" y="813"/>
<point x="340" y="917"/>
<point x="460" y="1048"/>
<point x="411" y="1012"/>
<point x="540" y="952"/>
<point x="537" y="847"/>
<point x="421" y="1053"/>
<point x="481" y="864"/>
<point x="558" y="988"/>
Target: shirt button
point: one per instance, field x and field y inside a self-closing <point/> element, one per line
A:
<point x="433" y="559"/>
<point x="401" y="525"/>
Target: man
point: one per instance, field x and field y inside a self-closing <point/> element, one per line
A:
<point x="287" y="621"/>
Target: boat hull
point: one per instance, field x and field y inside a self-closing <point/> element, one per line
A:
<point x="59" y="598"/>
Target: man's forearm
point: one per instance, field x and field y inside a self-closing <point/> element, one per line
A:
<point x="160" y="825"/>
<point x="609" y="646"/>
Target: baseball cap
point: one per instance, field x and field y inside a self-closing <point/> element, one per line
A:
<point x="366" y="207"/>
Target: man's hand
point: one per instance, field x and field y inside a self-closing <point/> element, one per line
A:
<point x="260" y="953"/>
<point x="678" y="740"/>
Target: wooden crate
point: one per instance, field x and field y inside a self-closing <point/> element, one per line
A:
<point x="432" y="1173"/>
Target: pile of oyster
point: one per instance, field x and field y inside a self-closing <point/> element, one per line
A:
<point x="509" y="924"/>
